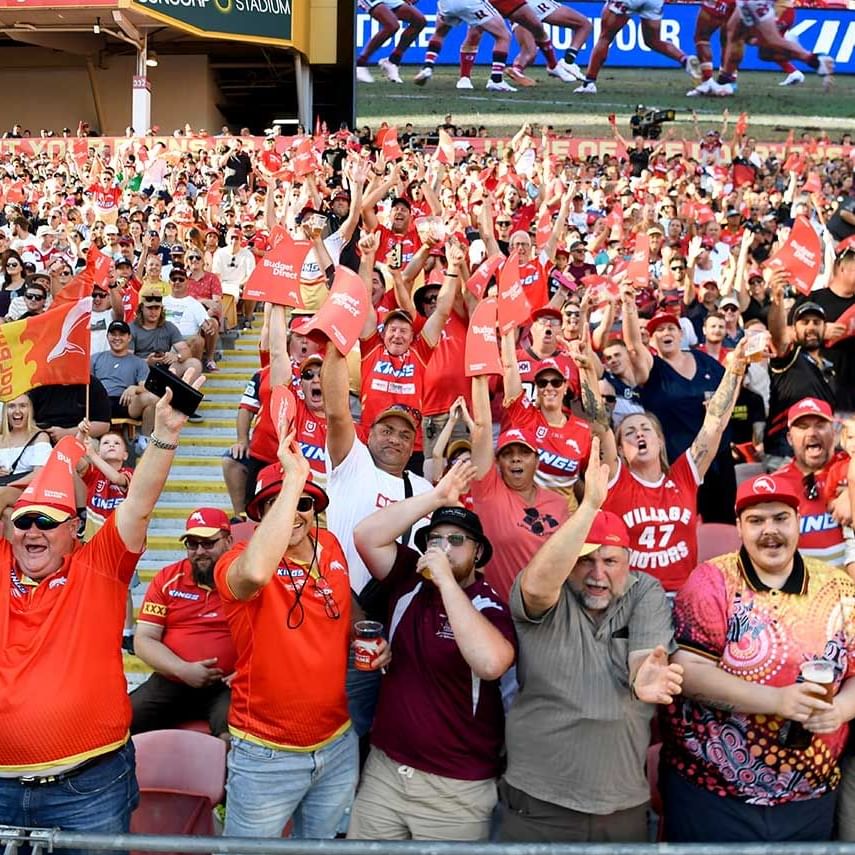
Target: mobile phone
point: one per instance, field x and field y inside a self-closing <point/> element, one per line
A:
<point x="185" y="398"/>
<point x="395" y="256"/>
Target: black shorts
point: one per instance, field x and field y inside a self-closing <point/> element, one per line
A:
<point x="118" y="410"/>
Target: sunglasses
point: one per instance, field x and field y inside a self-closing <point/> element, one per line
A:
<point x="305" y="504"/>
<point x="543" y="382"/>
<point x="192" y="543"/>
<point x="569" y="315"/>
<point x="177" y="279"/>
<point x="309" y="374"/>
<point x="10" y="264"/>
<point x="97" y="295"/>
<point x="152" y="301"/>
<point x="40" y="521"/>
<point x="439" y="540"/>
<point x="194" y="257"/>
<point x="730" y="309"/>
<point x="677" y="267"/>
<point x="503" y="223"/>
<point x="35" y="296"/>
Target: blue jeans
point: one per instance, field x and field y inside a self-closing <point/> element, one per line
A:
<point x="363" y="690"/>
<point x="267" y="787"/>
<point x="100" y="799"/>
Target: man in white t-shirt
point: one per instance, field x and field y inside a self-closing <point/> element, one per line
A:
<point x="106" y="308"/>
<point x="189" y="315"/>
<point x="234" y="265"/>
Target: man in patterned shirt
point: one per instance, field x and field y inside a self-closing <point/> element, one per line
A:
<point x="751" y="750"/>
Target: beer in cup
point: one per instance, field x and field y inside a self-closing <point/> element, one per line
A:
<point x="821" y="672"/>
<point x="366" y="645"/>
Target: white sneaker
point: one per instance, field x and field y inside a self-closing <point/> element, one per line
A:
<point x="572" y="69"/>
<point x="391" y="71"/>
<point x="703" y="88"/>
<point x="693" y="67"/>
<point x="826" y="66"/>
<point x="363" y="75"/>
<point x="464" y="83"/>
<point x="562" y="72"/>
<point x="722" y="90"/>
<point x="589" y="88"/>
<point x="794" y="78"/>
<point x="518" y="76"/>
<point x="141" y="443"/>
<point x="499" y="86"/>
<point x="423" y="76"/>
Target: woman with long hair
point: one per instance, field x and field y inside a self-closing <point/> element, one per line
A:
<point x="12" y="268"/>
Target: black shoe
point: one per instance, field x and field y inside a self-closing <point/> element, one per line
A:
<point x="128" y="644"/>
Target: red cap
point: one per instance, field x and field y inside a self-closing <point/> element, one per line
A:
<point x="766" y="488"/>
<point x="269" y="484"/>
<point x="607" y="529"/>
<point x="518" y="436"/>
<point x="848" y="243"/>
<point x="660" y="319"/>
<point x="546" y="312"/>
<point x="206" y="522"/>
<point x="550" y="364"/>
<point x="809" y="407"/>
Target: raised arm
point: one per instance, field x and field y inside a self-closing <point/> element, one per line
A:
<point x="375" y="536"/>
<point x="779" y="329"/>
<point x="544" y="576"/>
<point x="368" y="245"/>
<point x="335" y="384"/>
<point x="513" y="383"/>
<point x="448" y="291"/>
<point x="482" y="428"/>
<point x="719" y="407"/>
<point x="280" y="362"/>
<point x="642" y="358"/>
<point x="356" y="175"/>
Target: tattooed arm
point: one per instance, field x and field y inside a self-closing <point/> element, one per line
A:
<point x="719" y="408"/>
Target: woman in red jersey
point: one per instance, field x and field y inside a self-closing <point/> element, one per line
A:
<point x="658" y="502"/>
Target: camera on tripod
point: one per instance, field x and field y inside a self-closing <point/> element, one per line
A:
<point x="647" y="124"/>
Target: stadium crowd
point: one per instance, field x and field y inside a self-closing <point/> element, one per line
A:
<point x="485" y="599"/>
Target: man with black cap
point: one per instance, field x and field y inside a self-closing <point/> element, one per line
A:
<point x="594" y="638"/>
<point x="182" y="633"/>
<point x="437" y="738"/>
<point x="751" y="751"/>
<point x="799" y="370"/>
<point x="401" y="231"/>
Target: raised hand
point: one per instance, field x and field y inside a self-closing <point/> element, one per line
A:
<point x="454" y="483"/>
<point x="657" y="681"/>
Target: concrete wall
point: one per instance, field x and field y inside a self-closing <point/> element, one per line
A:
<point x="39" y="91"/>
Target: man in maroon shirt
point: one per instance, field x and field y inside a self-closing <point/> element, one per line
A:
<point x="439" y="727"/>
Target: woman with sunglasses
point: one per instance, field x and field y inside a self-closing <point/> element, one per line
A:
<point x="24" y="449"/>
<point x="12" y="266"/>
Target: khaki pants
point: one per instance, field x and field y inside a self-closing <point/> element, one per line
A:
<point x="229" y="312"/>
<point x="396" y="802"/>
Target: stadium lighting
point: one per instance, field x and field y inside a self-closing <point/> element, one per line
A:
<point x="96" y="27"/>
<point x="151" y="60"/>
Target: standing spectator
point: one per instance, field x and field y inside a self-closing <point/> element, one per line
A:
<point x="237" y="167"/>
<point x="182" y="633"/>
<point x="233" y="264"/>
<point x="594" y="639"/>
<point x="192" y="319"/>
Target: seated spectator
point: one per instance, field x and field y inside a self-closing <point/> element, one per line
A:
<point x="157" y="340"/>
<point x="182" y="633"/>
<point x="58" y="410"/>
<point x="35" y="299"/>
<point x="14" y="279"/>
<point x="106" y="308"/>
<point x="192" y="319"/>
<point x="594" y="638"/>
<point x="203" y="285"/>
<point x="427" y="691"/>
<point x="123" y="375"/>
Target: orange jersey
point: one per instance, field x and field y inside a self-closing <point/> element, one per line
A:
<point x="63" y="694"/>
<point x="288" y="692"/>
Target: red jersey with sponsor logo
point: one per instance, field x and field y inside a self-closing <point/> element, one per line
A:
<point x="288" y="691"/>
<point x="819" y="535"/>
<point x="388" y="379"/>
<point x="444" y="381"/>
<point x="662" y="520"/>
<point x="102" y="497"/>
<point x="62" y="681"/>
<point x="106" y="198"/>
<point x="409" y="241"/>
<point x="562" y="451"/>
<point x="194" y="623"/>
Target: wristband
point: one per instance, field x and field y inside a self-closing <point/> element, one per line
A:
<point x="159" y="443"/>
<point x="452" y="275"/>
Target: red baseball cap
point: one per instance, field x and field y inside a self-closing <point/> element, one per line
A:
<point x="809" y="407"/>
<point x="607" y="529"/>
<point x="518" y="436"/>
<point x="269" y="484"/>
<point x="660" y="319"/>
<point x="550" y="364"/>
<point x="206" y="522"/>
<point x="847" y="243"/>
<point x="546" y="312"/>
<point x="766" y="488"/>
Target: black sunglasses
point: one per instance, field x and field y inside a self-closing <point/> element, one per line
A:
<point x="677" y="267"/>
<point x="308" y="374"/>
<point x="40" y="521"/>
<point x="152" y="301"/>
<point x="97" y="294"/>
<point x="177" y="278"/>
<point x="305" y="504"/>
<point x="194" y="257"/>
<point x="543" y="382"/>
<point x="35" y="296"/>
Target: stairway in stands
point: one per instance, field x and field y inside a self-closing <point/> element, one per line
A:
<point x="196" y="477"/>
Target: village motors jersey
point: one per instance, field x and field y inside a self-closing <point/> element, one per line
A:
<point x="662" y="520"/>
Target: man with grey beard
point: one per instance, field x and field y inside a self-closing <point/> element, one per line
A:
<point x="183" y="634"/>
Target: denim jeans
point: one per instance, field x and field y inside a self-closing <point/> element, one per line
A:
<point x="363" y="690"/>
<point x="100" y="799"/>
<point x="267" y="787"/>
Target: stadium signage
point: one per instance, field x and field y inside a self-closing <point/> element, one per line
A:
<point x="267" y="21"/>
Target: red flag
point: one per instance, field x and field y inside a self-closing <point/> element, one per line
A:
<point x="477" y="283"/>
<point x="615" y="220"/>
<point x="445" y="152"/>
<point x="638" y="269"/>
<point x="98" y="265"/>
<point x="387" y="140"/>
<point x="742" y="124"/>
<point x="544" y="228"/>
<point x="342" y="316"/>
<point x="599" y="288"/>
<point x="283" y="408"/>
<point x="743" y="173"/>
<point x="271" y="161"/>
<point x="812" y="183"/>
<point x="514" y="308"/>
<point x="795" y="163"/>
<point x="704" y="213"/>
<point x="277" y="235"/>
<point x="304" y="159"/>
<point x="51" y="348"/>
<point x="482" y="344"/>
<point x="847" y="320"/>
<point x="800" y="256"/>
<point x="215" y="192"/>
<point x="276" y="278"/>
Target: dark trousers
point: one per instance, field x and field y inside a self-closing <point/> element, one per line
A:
<point x="525" y="819"/>
<point x="159" y="704"/>
<point x="695" y="815"/>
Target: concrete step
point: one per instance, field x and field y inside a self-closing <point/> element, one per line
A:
<point x="200" y="430"/>
<point x="205" y="445"/>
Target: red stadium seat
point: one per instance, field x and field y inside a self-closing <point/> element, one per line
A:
<point x="716" y="539"/>
<point x="181" y="776"/>
<point x="243" y="530"/>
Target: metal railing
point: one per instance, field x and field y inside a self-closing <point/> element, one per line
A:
<point x="43" y="840"/>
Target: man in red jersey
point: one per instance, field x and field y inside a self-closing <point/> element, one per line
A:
<point x="65" y="757"/>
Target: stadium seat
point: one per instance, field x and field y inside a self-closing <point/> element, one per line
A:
<point x="126" y="427"/>
<point x="243" y="530"/>
<point x="716" y="539"/>
<point x="181" y="776"/>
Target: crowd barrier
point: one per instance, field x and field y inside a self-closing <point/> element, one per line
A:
<point x="828" y="31"/>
